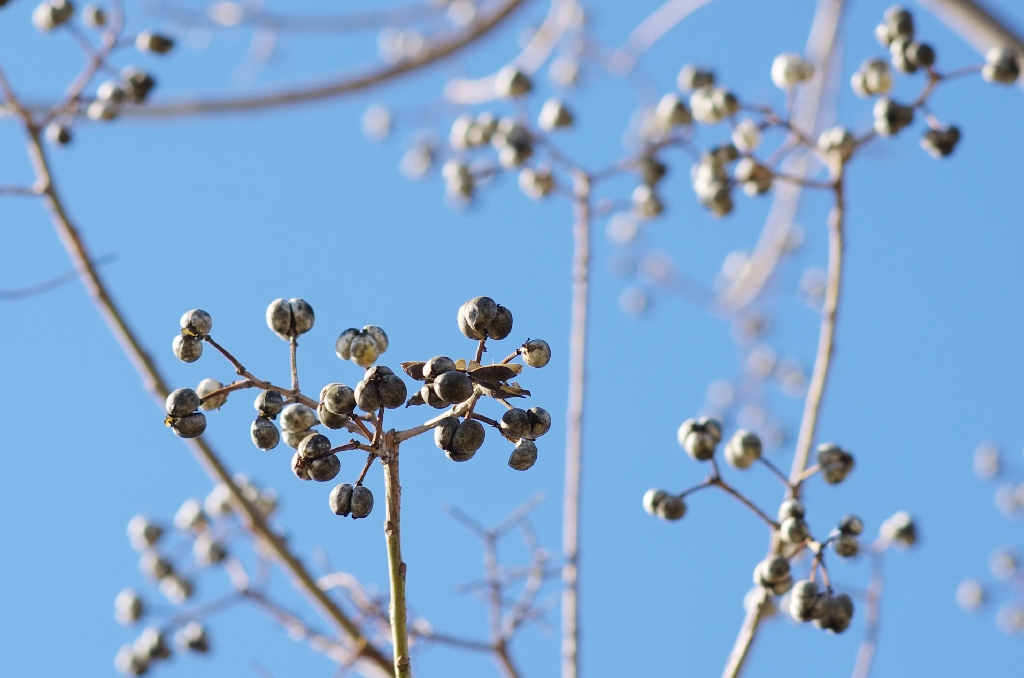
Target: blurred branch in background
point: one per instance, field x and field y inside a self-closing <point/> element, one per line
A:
<point x="433" y="50"/>
<point x="978" y="26"/>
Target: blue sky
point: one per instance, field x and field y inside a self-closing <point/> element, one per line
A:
<point x="228" y="213"/>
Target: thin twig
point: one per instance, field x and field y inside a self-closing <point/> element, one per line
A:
<point x="51" y="284"/>
<point x="574" y="426"/>
<point x="872" y="614"/>
<point x="718" y="482"/>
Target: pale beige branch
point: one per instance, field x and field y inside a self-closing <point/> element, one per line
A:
<point x="810" y="115"/>
<point x="975" y="24"/>
<point x="343" y="84"/>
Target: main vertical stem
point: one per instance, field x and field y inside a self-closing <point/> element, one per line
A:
<point x="574" y="427"/>
<point x="396" y="567"/>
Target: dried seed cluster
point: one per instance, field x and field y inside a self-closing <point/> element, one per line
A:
<point x="285" y="413"/>
<point x="448" y="382"/>
<point x="203" y="523"/>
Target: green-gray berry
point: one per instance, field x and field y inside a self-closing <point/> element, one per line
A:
<point x="524" y="456"/>
<point x="264" y="434"/>
<point x="536" y="353"/>
<point x="187" y="349"/>
<point x="269" y="403"/>
<point x="515" y="423"/>
<point x="467" y="439"/>
<point x="189" y="426"/>
<point x="297" y="417"/>
<point x="340" y="500"/>
<point x="362" y="502"/>
<point x="453" y="387"/>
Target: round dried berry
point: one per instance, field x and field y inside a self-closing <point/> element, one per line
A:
<point x="314" y="446"/>
<point x="330" y="419"/>
<point x="265" y="435"/>
<point x="152" y="644"/>
<point x="651" y="170"/>
<point x="501" y="325"/>
<point x="376" y="372"/>
<point x="58" y="134"/>
<point x="524" y="456"/>
<point x="663" y="505"/>
<point x="437" y="366"/>
<point x="444" y="430"/>
<point x="791" y="508"/>
<point x="900" y="529"/>
<point x="137" y="84"/>
<point x="744" y="449"/>
<point x="190" y="516"/>
<point x="143" y="533"/>
<point x="392" y="391"/>
<point x="771" y="570"/>
<point x="540" y="421"/>
<point x="205" y="388"/>
<point x="147" y="41"/>
<point x="187" y="349"/>
<point x="338" y="398"/>
<point x="126" y="661"/>
<point x="362" y="502"/>
<point x="466" y="328"/>
<point x="793" y="531"/>
<point x="431" y="398"/>
<point x="302" y="316"/>
<point x="325" y="469"/>
<point x="379" y="336"/>
<point x="802" y="600"/>
<point x="652" y="499"/>
<point x="299" y="467"/>
<point x="208" y="551"/>
<point x="515" y="423"/>
<point x="343" y="346"/>
<point x="154" y="566"/>
<point x="835" y="463"/>
<point x="838" y="611"/>
<point x="364" y="350"/>
<point x="851" y="524"/>
<point x="279" y="318"/>
<point x="176" y="589"/>
<point x="536" y="353"/>
<point x="511" y="82"/>
<point x="192" y="637"/>
<point x="699" y="437"/>
<point x="269" y="403"/>
<point x="367" y="396"/>
<point x="340" y="500"/>
<point x="453" y="387"/>
<point x="479" y="312"/>
<point x="846" y="545"/>
<point x="467" y="439"/>
<point x="294" y="438"/>
<point x="189" y="426"/>
<point x="297" y="417"/>
<point x="196" y="323"/>
<point x="554" y="114"/>
<point x="128" y="607"/>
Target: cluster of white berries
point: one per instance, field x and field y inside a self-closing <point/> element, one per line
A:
<point x="198" y="522"/>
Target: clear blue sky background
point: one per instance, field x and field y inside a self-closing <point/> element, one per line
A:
<point x="228" y="213"/>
